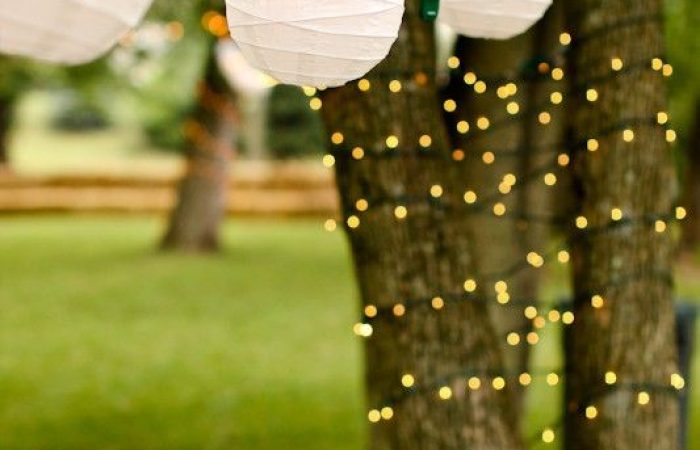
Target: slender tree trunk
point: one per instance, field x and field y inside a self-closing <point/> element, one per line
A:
<point x="413" y="269"/>
<point x="493" y="156"/>
<point x="545" y="204"/>
<point x="622" y="268"/>
<point x="6" y="111"/>
<point x="210" y="131"/>
<point x="691" y="227"/>
<point x="516" y="144"/>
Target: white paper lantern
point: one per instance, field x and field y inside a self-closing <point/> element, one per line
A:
<point x="66" y="31"/>
<point x="315" y="42"/>
<point x="492" y="19"/>
<point x="242" y="77"/>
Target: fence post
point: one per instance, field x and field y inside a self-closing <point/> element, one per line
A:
<point x="686" y="319"/>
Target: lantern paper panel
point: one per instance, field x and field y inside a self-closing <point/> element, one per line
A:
<point x="320" y="43"/>
<point x="492" y="19"/>
<point x="241" y="76"/>
<point x="66" y="31"/>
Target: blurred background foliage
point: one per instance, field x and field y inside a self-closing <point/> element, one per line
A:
<point x="147" y="87"/>
<point x="157" y="72"/>
<point x="294" y="129"/>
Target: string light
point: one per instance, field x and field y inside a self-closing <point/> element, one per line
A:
<point x="445" y="393"/>
<point x="610" y="378"/>
<point x="462" y="127"/>
<point x="453" y="62"/>
<point x="525" y="379"/>
<point x="387" y="413"/>
<point x="315" y="103"/>
<point x="548" y="436"/>
<point x="330" y="225"/>
<point x="392" y="142"/>
<point x="643" y="398"/>
<point x="358" y="153"/>
<point x="628" y="135"/>
<point x="592" y="145"/>
<point x="591" y="412"/>
<point x="616" y="64"/>
<point x="337" y="138"/>
<point x="401" y="212"/>
<point x="371" y="311"/>
<point x="408" y="380"/>
<point x="449" y="105"/>
<point x="436" y="194"/>
<point x="436" y="191"/>
<point x="474" y="383"/>
<point x="597" y="301"/>
<point x="565" y="38"/>
<point x="470" y="78"/>
<point x="329" y="161"/>
<point x="498" y="383"/>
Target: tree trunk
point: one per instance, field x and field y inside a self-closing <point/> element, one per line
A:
<point x="517" y="144"/>
<point x="691" y="226"/>
<point x="544" y="205"/>
<point x="492" y="155"/>
<point x="210" y="132"/>
<point x="411" y="248"/>
<point x="624" y="323"/>
<point x="6" y="111"/>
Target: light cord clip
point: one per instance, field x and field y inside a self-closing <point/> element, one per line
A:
<point x="429" y="10"/>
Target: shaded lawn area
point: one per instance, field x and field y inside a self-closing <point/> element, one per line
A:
<point x="106" y="344"/>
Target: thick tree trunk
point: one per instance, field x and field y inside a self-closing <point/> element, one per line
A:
<point x="622" y="266"/>
<point x="412" y="269"/>
<point x="6" y="111"/>
<point x="210" y="131"/>
<point x="691" y="226"/>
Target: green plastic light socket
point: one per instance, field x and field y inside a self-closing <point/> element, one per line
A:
<point x="429" y="10"/>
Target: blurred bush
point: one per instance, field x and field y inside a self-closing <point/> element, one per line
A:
<point x="75" y="111"/>
<point x="294" y="129"/>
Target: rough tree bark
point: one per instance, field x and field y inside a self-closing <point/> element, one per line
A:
<point x="629" y="330"/>
<point x="210" y="132"/>
<point x="499" y="242"/>
<point x="404" y="264"/>
<point x="516" y="144"/>
<point x="691" y="226"/>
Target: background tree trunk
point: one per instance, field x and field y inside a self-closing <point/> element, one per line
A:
<point x="627" y="263"/>
<point x="691" y="226"/>
<point x="404" y="264"/>
<point x="6" y="111"/>
<point x="210" y="132"/>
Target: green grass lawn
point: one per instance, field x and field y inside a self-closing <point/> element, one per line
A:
<point x="106" y="344"/>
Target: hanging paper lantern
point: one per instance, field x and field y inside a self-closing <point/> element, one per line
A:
<point x="66" y="31"/>
<point x="242" y="77"/>
<point x="492" y="19"/>
<point x="315" y="42"/>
